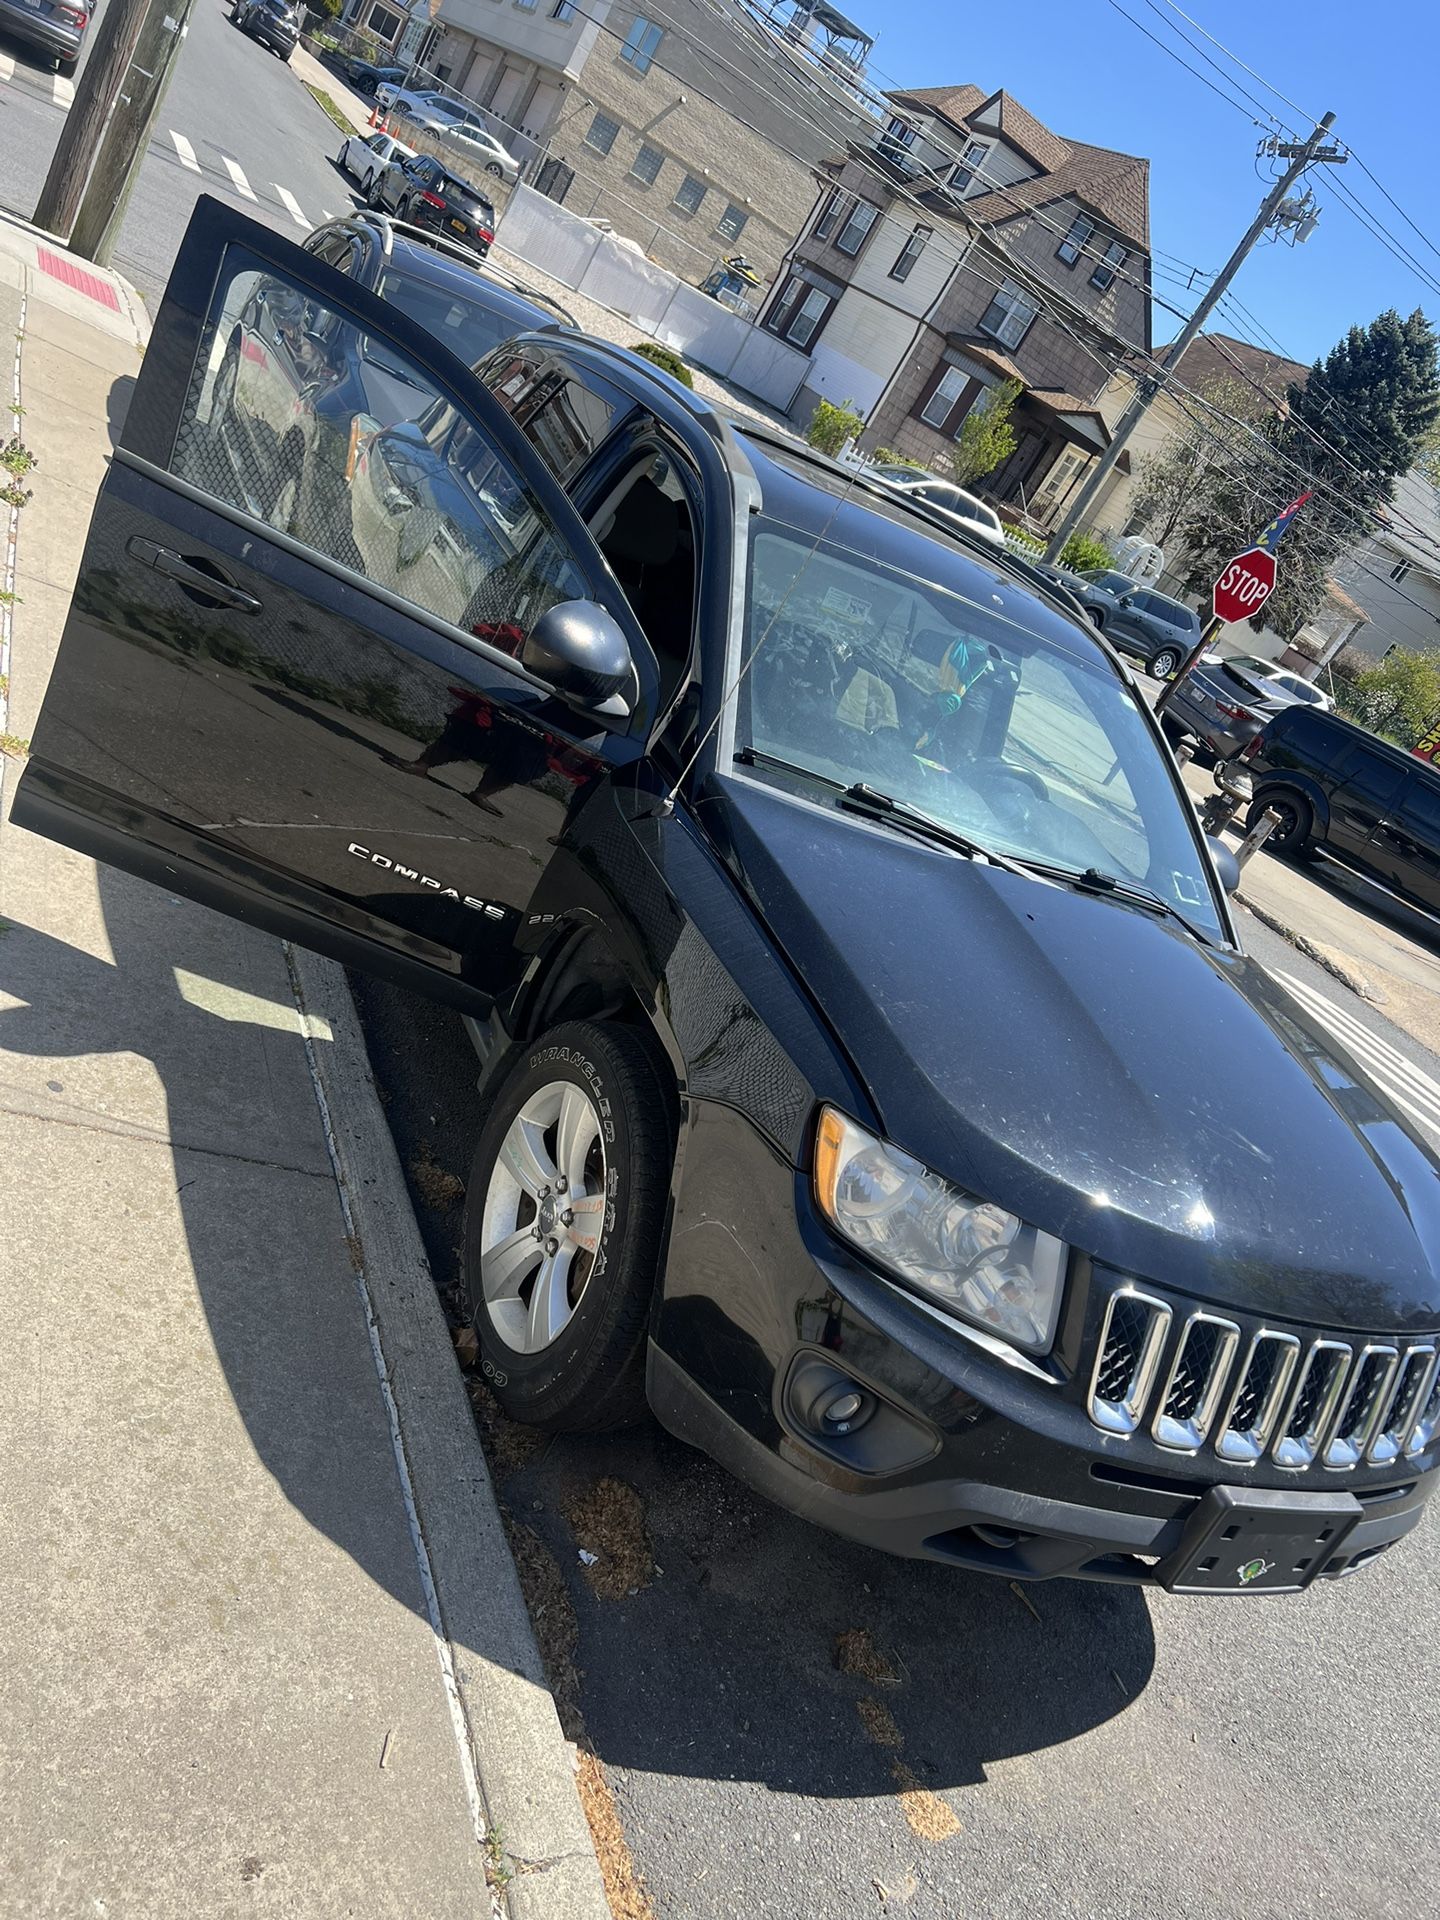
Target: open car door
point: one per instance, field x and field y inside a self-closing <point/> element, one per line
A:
<point x="320" y="669"/>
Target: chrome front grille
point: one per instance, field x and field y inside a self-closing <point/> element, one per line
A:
<point x="1319" y="1401"/>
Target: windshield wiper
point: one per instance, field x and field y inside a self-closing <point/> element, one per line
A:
<point x="758" y="757"/>
<point x="874" y="805"/>
<point x="1096" y="880"/>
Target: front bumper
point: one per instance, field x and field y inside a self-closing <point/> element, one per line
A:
<point x="965" y="1458"/>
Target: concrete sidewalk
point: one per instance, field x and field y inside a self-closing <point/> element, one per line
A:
<point x="264" y="1649"/>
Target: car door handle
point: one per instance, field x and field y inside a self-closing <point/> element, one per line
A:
<point x="186" y="574"/>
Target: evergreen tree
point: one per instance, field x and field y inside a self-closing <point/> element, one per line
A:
<point x="1365" y="414"/>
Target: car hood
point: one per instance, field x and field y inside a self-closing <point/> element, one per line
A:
<point x="1164" y="1106"/>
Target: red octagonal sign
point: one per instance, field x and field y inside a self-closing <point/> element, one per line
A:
<point x="1245" y="585"/>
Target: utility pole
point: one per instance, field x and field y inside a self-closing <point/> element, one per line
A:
<point x="101" y="80"/>
<point x="1300" y="155"/>
<point x="117" y="165"/>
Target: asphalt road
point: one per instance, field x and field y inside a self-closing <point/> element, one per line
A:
<point x="234" y="107"/>
<point x="1082" y="1750"/>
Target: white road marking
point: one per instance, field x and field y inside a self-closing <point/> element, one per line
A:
<point x="237" y="177"/>
<point x="325" y="214"/>
<point x="7" y="66"/>
<point x="1409" y="1086"/>
<point x="291" y="206"/>
<point x="64" y="89"/>
<point x="186" y="152"/>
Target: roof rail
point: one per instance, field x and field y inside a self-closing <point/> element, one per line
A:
<point x="388" y="225"/>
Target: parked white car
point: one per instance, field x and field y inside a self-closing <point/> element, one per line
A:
<point x="435" y="112"/>
<point x="484" y="150"/>
<point x="945" y="497"/>
<point x="364" y="157"/>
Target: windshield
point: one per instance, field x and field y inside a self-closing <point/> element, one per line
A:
<point x="1008" y="735"/>
<point x="1111" y="582"/>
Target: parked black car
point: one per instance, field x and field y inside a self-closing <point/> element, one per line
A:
<point x="274" y="23"/>
<point x="423" y="191"/>
<point x="1342" y="790"/>
<point x="365" y="76"/>
<point x="823" y="903"/>
<point x="54" y="26"/>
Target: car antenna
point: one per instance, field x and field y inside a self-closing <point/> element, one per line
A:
<point x="667" y="803"/>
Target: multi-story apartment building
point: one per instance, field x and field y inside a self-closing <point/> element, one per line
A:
<point x="696" y="128"/>
<point x="959" y="246"/>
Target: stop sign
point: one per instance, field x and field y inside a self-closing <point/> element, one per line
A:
<point x="1245" y="585"/>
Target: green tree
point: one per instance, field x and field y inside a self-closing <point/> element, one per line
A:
<point x="1366" y="412"/>
<point x="1399" y="697"/>
<point x="1169" y="480"/>
<point x="659" y="355"/>
<point x="830" y="427"/>
<point x="986" y="435"/>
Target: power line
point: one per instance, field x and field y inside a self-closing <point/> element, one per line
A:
<point x="1258" y="104"/>
<point x="1269" y="86"/>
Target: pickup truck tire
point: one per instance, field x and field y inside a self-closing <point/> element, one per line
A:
<point x="559" y="1294"/>
<point x="1291" y="839"/>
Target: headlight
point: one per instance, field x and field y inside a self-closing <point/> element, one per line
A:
<point x="975" y="1259"/>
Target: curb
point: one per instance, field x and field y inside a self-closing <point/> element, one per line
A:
<point x="1322" y="957"/>
<point x="522" y="1764"/>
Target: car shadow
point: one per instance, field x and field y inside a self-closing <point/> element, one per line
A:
<point x="767" y="1643"/>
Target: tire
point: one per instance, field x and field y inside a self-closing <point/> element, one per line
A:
<point x="1096" y="617"/>
<point x="372" y="191"/>
<point x="1291" y="839"/>
<point x="1164" y="663"/>
<point x="367" y="87"/>
<point x="490" y="167"/>
<point x="571" y="1359"/>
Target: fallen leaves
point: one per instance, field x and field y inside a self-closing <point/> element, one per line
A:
<point x="857" y="1653"/>
<point x="608" y="1521"/>
<point x="926" y="1814"/>
<point x="436" y="1185"/>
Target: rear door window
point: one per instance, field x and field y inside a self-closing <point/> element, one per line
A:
<point x="1367" y="776"/>
<point x="1170" y="611"/>
<point x="1420" y="810"/>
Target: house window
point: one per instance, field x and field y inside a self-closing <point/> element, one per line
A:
<point x="564" y="10"/>
<point x="384" y="23"/>
<point x="1109" y="264"/>
<point x="898" y="134"/>
<point x="1399" y="570"/>
<point x="972" y="162"/>
<point x="526" y="6"/>
<point x="1074" y="243"/>
<point x="646" y="164"/>
<point x="910" y="253"/>
<point x="1008" y="316"/>
<point x="937" y="408"/>
<point x="642" y="43"/>
<point x="851" y="236"/>
<point x="689" y="194"/>
<point x="829" y="214"/>
<point x="1060" y="478"/>
<point x="731" y="223"/>
<point x="811" y="312"/>
<point x="602" y="133"/>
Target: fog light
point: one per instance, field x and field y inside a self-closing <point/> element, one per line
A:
<point x="841" y="1409"/>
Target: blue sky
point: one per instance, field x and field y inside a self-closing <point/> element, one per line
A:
<point x="1085" y="71"/>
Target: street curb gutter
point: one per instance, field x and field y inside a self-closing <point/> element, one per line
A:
<point x="522" y="1763"/>
<point x="1323" y="958"/>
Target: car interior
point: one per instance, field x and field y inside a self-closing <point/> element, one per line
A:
<point x="645" y="529"/>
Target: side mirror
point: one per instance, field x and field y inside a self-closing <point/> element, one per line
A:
<point x="581" y="651"/>
<point x="1226" y="865"/>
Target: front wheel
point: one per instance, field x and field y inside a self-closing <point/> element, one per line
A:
<point x="1164" y="663"/>
<point x="563" y="1217"/>
<point x="1096" y="617"/>
<point x="490" y="167"/>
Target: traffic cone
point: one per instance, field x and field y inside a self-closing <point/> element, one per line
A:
<point x="375" y="113"/>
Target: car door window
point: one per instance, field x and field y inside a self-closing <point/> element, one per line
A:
<point x="422" y="506"/>
<point x="1364" y="777"/>
<point x="1420" y="812"/>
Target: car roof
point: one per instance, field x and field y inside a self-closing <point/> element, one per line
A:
<point x="422" y="259"/>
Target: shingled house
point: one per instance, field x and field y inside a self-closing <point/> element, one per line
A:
<point x="962" y="245"/>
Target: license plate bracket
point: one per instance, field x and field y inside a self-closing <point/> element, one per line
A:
<point x="459" y="226"/>
<point x="1259" y="1540"/>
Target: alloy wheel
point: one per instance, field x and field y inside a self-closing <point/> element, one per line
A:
<point x="543" y="1215"/>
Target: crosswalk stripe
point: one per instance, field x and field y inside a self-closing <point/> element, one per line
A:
<point x="64" y="90"/>
<point x="185" y="151"/>
<point x="237" y="177"/>
<point x="292" y="206"/>
<point x="325" y="214"/>
<point x="1409" y="1086"/>
<point x="7" y="66"/>
<point x="1378" y="1052"/>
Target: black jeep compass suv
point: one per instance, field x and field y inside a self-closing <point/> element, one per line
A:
<point x="807" y="879"/>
